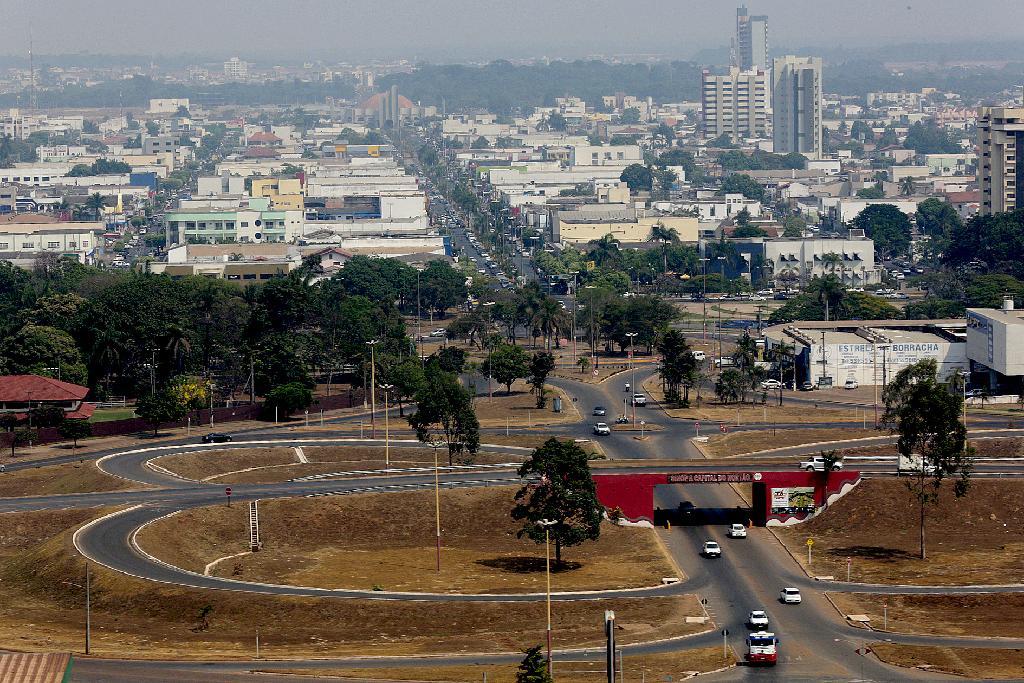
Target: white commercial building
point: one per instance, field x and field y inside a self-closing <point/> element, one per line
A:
<point x="21" y="243"/>
<point x="605" y="155"/>
<point x="869" y="352"/>
<point x="995" y="345"/>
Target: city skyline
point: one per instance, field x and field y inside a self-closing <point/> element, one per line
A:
<point x="440" y="30"/>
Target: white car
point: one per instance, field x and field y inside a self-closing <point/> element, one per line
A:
<point x="602" y="429"/>
<point x="700" y="356"/>
<point x="851" y="384"/>
<point x="789" y="596"/>
<point x="771" y="384"/>
<point x="439" y="332"/>
<point x="737" y="531"/>
<point x="757" y="619"/>
<point x="711" y="549"/>
<point x="639" y="400"/>
<point x="817" y="464"/>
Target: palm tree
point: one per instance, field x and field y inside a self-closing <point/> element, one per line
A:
<point x="96" y="203"/>
<point x="605" y="249"/>
<point x="549" y="319"/>
<point x="828" y="290"/>
<point x="832" y="261"/>
<point x="105" y="355"/>
<point x="660" y="233"/>
<point x="176" y="344"/>
<point x="907" y="186"/>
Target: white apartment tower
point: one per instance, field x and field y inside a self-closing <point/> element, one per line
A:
<point x="235" y="69"/>
<point x="751" y="40"/>
<point x="1001" y="159"/>
<point x="735" y="103"/>
<point x="796" y="102"/>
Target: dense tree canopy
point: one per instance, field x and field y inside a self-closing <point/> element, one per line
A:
<point x="888" y="226"/>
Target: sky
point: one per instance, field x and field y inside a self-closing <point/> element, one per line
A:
<point x="459" y="30"/>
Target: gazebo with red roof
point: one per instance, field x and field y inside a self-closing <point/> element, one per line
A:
<point x="21" y="393"/>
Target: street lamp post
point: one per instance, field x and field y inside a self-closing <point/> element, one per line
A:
<point x="722" y="259"/>
<point x="546" y="524"/>
<point x="575" y="275"/>
<point x="593" y="349"/>
<point x="437" y="506"/>
<point x="88" y="604"/>
<point x="373" y="388"/>
<point x="490" y="347"/>
<point x="387" y="433"/>
<point x="632" y="374"/>
<point x="704" y="298"/>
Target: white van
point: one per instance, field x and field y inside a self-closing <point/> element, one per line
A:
<point x="700" y="355"/>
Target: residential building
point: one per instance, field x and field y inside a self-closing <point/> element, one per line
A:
<point x="243" y="263"/>
<point x="19" y="394"/>
<point x="591" y="222"/>
<point x="8" y="198"/>
<point x="791" y="261"/>
<point x="735" y="104"/>
<point x="283" y="193"/>
<point x="1001" y="162"/>
<point x="158" y="144"/>
<point x="796" y="102"/>
<point x="167" y="105"/>
<point x="605" y="155"/>
<point x="222" y="184"/>
<point x="751" y="40"/>
<point x="241" y="225"/>
<point x="21" y="243"/>
<point x="235" y="69"/>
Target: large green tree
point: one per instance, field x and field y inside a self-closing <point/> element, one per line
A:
<point x="161" y="408"/>
<point x="927" y="417"/>
<point x="506" y="363"/>
<point x="887" y="226"/>
<point x="286" y="399"/>
<point x="638" y="177"/>
<point x="444" y="414"/>
<point x="564" y="495"/>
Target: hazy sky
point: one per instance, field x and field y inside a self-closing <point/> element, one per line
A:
<point x="263" y="30"/>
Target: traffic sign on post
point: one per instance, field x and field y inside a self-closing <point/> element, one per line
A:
<point x="723" y="428"/>
<point x="227" y="492"/>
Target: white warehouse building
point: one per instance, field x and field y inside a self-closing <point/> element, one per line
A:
<point x="869" y="352"/>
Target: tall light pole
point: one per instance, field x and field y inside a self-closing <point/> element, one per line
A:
<point x="575" y="275"/>
<point x="387" y="432"/>
<point x="373" y="388"/>
<point x="704" y="298"/>
<point x="722" y="259"/>
<point x="593" y="349"/>
<point x="632" y="374"/>
<point x="419" y="316"/>
<point x="88" y="604"/>
<point x="490" y="347"/>
<point x="437" y="505"/>
<point x="546" y="524"/>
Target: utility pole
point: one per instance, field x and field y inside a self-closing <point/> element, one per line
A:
<point x="823" y="360"/>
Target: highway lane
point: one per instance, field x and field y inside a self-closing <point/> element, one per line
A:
<point x="816" y="644"/>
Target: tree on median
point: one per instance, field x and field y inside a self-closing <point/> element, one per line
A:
<point x="506" y="363"/>
<point x="533" y="668"/>
<point x="927" y="417"/>
<point x="444" y="411"/>
<point x="541" y="365"/>
<point x="160" y="408"/>
<point x="564" y="495"/>
<point x="289" y="398"/>
<point x="26" y="436"/>
<point x="75" y="430"/>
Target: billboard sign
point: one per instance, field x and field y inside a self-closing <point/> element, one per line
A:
<point x="792" y="500"/>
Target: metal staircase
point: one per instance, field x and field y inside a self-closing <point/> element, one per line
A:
<point x="254" y="526"/>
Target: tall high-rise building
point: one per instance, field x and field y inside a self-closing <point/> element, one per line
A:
<point x="735" y="103"/>
<point x="751" y="40"/>
<point x="1001" y="159"/>
<point x="236" y="69"/>
<point x="796" y="102"/>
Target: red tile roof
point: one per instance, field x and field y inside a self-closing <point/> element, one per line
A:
<point x="963" y="197"/>
<point x="34" y="668"/>
<point x="21" y="388"/>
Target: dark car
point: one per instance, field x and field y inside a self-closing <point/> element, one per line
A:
<point x="600" y="410"/>
<point x="807" y="386"/>
<point x="216" y="437"/>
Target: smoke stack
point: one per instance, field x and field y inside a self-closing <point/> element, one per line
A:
<point x="1007" y="303"/>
